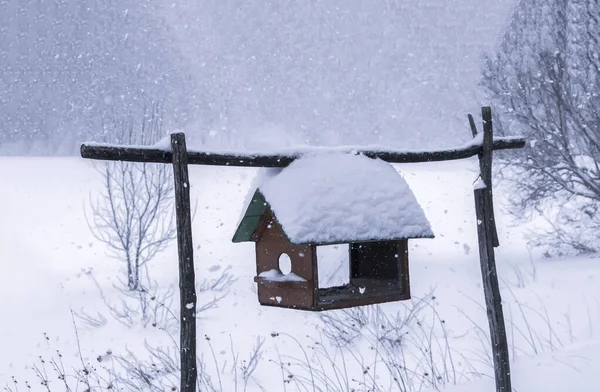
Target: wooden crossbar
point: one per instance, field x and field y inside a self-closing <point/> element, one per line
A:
<point x="156" y="155"/>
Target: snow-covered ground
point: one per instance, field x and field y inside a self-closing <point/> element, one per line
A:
<point x="49" y="262"/>
<point x="573" y="369"/>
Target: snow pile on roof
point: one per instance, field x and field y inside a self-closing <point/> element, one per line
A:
<point x="337" y="198"/>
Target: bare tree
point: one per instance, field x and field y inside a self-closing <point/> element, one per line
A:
<point x="133" y="216"/>
<point x="545" y="81"/>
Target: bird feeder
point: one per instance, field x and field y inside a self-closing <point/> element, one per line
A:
<point x="325" y="200"/>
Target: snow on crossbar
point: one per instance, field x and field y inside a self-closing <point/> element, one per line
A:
<point x="109" y="152"/>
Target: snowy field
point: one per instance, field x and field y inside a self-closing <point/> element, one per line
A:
<point x="51" y="266"/>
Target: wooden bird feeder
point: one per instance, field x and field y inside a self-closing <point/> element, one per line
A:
<point x="324" y="201"/>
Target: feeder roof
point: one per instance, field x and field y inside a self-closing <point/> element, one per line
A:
<point x="336" y="198"/>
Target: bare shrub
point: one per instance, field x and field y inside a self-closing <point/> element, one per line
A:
<point x="161" y="371"/>
<point x="134" y="215"/>
<point x="544" y="80"/>
<point x="524" y="274"/>
<point x="158" y="372"/>
<point x="407" y="351"/>
<point x="531" y="328"/>
<point x="153" y="306"/>
<point x="53" y="376"/>
<point x="246" y="367"/>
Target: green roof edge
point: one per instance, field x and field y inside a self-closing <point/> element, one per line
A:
<point x="249" y="223"/>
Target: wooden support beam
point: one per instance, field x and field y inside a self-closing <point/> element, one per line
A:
<point x="488" y="239"/>
<point x="472" y="125"/>
<point x="146" y="154"/>
<point x="187" y="279"/>
<point x="491" y="290"/>
<point x="485" y="164"/>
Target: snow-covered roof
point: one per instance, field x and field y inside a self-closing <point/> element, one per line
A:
<point x="339" y="198"/>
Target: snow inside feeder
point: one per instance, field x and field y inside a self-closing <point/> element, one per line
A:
<point x="332" y="199"/>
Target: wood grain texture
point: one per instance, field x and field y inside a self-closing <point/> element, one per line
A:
<point x="143" y="154"/>
<point x="491" y="290"/>
<point x="187" y="278"/>
<point x="485" y="162"/>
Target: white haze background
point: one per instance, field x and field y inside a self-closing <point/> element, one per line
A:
<point x="266" y="73"/>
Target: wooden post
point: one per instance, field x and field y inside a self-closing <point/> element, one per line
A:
<point x="486" y="235"/>
<point x="485" y="163"/>
<point x="472" y="125"/>
<point x="187" y="279"/>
